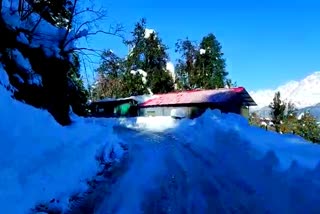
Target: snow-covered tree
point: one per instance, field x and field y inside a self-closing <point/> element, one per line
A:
<point x="149" y="54"/>
<point x="201" y="66"/>
<point x="37" y="51"/>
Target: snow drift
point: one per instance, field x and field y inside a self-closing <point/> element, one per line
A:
<point x="214" y="164"/>
<point x="41" y="160"/>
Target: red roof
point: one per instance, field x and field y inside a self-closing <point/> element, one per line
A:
<point x="197" y="96"/>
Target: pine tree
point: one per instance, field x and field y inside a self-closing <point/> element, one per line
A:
<point x="210" y="64"/>
<point x="110" y="81"/>
<point x="149" y="54"/>
<point x="277" y="110"/>
<point x="185" y="69"/>
<point x="203" y="66"/>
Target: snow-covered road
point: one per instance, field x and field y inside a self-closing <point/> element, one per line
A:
<point x="167" y="174"/>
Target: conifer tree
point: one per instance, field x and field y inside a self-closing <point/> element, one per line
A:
<point x="149" y="54"/>
<point x="210" y="64"/>
<point x="278" y="108"/>
<point x="201" y="66"/>
<point x="185" y="69"/>
<point x="110" y="81"/>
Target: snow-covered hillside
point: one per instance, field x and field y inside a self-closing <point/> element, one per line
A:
<point x="302" y="93"/>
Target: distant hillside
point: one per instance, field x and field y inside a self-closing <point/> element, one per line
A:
<point x="314" y="110"/>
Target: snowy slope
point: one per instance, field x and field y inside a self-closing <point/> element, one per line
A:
<point x="41" y="160"/>
<point x="302" y="93"/>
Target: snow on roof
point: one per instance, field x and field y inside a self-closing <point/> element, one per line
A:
<point x="200" y="96"/>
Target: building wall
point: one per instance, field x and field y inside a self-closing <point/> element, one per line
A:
<point x="245" y="111"/>
<point x="162" y="111"/>
<point x="126" y="108"/>
<point x="191" y="111"/>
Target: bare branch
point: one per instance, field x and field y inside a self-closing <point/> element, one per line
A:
<point x="116" y="32"/>
<point x="100" y="12"/>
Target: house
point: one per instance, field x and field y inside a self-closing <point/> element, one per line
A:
<point x="124" y="107"/>
<point x="181" y="104"/>
<point x="193" y="103"/>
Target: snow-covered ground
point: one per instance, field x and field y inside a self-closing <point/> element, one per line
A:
<point x="216" y="163"/>
<point x="41" y="160"/>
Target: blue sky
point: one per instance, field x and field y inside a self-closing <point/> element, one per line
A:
<point x="266" y="43"/>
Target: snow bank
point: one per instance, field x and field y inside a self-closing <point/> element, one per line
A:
<point x="213" y="126"/>
<point x="41" y="160"/>
<point x="215" y="164"/>
<point x="156" y="124"/>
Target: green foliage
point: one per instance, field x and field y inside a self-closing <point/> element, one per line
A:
<point x="308" y="128"/>
<point x="56" y="12"/>
<point x="203" y="66"/>
<point x="119" y="77"/>
<point x="210" y="64"/>
<point x="149" y="54"/>
<point x="110" y="77"/>
<point x="291" y="110"/>
<point x="278" y="108"/>
<point x="288" y="121"/>
<point x="185" y="69"/>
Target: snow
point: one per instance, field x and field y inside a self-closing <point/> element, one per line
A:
<point x="19" y="78"/>
<point x="263" y="123"/>
<point x="155" y="124"/>
<point x="41" y="160"/>
<point x="45" y="35"/>
<point x="178" y="113"/>
<point x="217" y="163"/>
<point x="4" y="79"/>
<point x="170" y="68"/>
<point x="142" y="73"/>
<point x="202" y="51"/>
<point x="21" y="60"/>
<point x="288" y="148"/>
<point x="35" y="79"/>
<point x="302" y="93"/>
<point x="22" y="38"/>
<point x="148" y="32"/>
<point x="189" y="161"/>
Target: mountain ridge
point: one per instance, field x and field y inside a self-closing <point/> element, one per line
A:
<point x="303" y="93"/>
